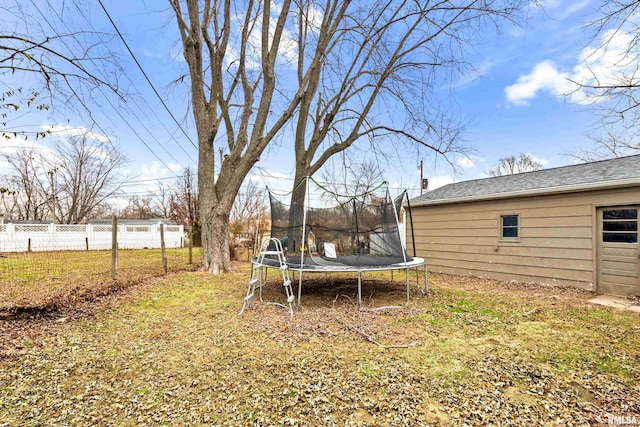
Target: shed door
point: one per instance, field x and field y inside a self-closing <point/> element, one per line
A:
<point x="618" y="250"/>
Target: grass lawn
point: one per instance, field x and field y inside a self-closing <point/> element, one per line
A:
<point x="34" y="279"/>
<point x="472" y="352"/>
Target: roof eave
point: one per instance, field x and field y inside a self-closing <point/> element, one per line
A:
<point x="621" y="183"/>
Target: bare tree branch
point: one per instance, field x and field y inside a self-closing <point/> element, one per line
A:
<point x="20" y="53"/>
<point x="608" y="142"/>
<point x="65" y="184"/>
<point x="611" y="82"/>
<point x="512" y="165"/>
<point x="323" y="68"/>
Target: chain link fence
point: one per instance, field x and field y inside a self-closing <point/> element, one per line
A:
<point x="45" y="265"/>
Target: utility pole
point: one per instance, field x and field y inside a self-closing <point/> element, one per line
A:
<point x="421" y="186"/>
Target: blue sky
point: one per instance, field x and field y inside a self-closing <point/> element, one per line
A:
<point x="514" y="102"/>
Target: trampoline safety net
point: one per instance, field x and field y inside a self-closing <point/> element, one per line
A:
<point x="336" y="231"/>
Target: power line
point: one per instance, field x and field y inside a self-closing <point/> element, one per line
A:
<point x="249" y="184"/>
<point x="109" y="101"/>
<point x="117" y="110"/>
<point x="138" y="135"/>
<point x="145" y="74"/>
<point x="286" y="178"/>
<point x="72" y="90"/>
<point x="153" y="111"/>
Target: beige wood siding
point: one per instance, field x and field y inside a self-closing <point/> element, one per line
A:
<point x="556" y="245"/>
<point x="618" y="263"/>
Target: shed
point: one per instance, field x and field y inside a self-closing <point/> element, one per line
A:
<point x="573" y="226"/>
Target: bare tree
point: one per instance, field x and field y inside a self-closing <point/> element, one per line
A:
<point x="139" y="208"/>
<point x="103" y="210"/>
<point x="249" y="217"/>
<point x="12" y="101"/>
<point x="390" y="54"/>
<point x="512" y="165"/>
<point x="320" y="67"/>
<point x="26" y="196"/>
<point x="248" y="210"/>
<point x="85" y="173"/>
<point x="66" y="64"/>
<point x="7" y="202"/>
<point x="22" y="53"/>
<point x="614" y="89"/>
<point x="183" y="204"/>
<point x="609" y="142"/>
<point x="351" y="178"/>
<point x="64" y="184"/>
<point x="613" y="86"/>
<point x="43" y="65"/>
<point x="232" y="100"/>
<point x="161" y="200"/>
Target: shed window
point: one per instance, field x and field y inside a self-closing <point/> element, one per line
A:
<point x="509" y="227"/>
<point x="620" y="226"/>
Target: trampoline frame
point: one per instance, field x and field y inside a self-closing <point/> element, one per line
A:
<point x="261" y="263"/>
<point x="416" y="264"/>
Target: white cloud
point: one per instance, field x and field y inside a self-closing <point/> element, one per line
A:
<point x="479" y="71"/>
<point x="574" y="7"/>
<point x="268" y="176"/>
<point x="563" y="12"/>
<point x="314" y="18"/>
<point x="549" y="4"/>
<point x="540" y="160"/>
<point x="604" y="64"/>
<point x="11" y="144"/>
<point x="175" y="167"/>
<point x="544" y="77"/>
<point x="64" y="130"/>
<point x="147" y="176"/>
<point x="153" y="170"/>
<point x="149" y="54"/>
<point x="468" y="162"/>
<point x="439" y="181"/>
<point x="177" y="55"/>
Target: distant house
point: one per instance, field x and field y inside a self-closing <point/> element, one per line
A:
<point x="575" y="225"/>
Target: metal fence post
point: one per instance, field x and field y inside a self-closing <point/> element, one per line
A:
<point x="164" y="256"/>
<point x="114" y="246"/>
<point x="190" y="244"/>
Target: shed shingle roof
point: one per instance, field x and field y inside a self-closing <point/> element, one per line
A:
<point x="605" y="173"/>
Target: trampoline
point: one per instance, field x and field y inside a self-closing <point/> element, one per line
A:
<point x="356" y="233"/>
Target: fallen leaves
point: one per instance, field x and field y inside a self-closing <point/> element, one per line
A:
<point x="175" y="352"/>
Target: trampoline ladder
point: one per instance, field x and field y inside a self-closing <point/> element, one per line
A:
<point x="270" y="247"/>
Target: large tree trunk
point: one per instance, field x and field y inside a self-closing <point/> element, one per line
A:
<point x="296" y="210"/>
<point x="217" y="91"/>
<point x="215" y="244"/>
<point x="214" y="212"/>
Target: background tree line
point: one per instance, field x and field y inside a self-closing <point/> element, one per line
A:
<point x="327" y="70"/>
<point x="80" y="178"/>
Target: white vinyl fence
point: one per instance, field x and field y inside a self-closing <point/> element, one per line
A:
<point x="59" y="237"/>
